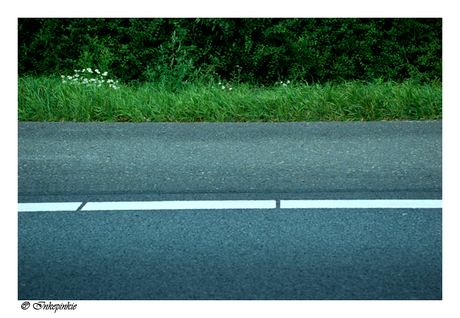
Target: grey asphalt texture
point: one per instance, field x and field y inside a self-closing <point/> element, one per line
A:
<point x="99" y="161"/>
<point x="230" y="254"/>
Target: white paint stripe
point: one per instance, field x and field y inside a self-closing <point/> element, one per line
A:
<point x="231" y="204"/>
<point x="42" y="207"/>
<point x="179" y="205"/>
<point x="360" y="204"/>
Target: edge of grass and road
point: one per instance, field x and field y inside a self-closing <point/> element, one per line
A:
<point x="81" y="98"/>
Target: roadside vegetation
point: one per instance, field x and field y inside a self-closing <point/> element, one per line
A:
<point x="99" y="98"/>
<point x="229" y="69"/>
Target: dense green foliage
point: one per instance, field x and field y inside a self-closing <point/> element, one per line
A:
<point x="49" y="99"/>
<point x="253" y="51"/>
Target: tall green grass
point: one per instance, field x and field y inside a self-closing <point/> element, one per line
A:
<point x="48" y="99"/>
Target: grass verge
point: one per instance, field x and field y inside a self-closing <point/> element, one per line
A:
<point x="49" y="99"/>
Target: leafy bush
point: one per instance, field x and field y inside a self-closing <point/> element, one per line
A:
<point x="174" y="52"/>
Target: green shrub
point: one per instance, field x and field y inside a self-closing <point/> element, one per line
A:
<point x="256" y="51"/>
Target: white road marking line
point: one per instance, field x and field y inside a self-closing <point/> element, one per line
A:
<point x="54" y="206"/>
<point x="179" y="205"/>
<point x="360" y="204"/>
<point x="230" y="204"/>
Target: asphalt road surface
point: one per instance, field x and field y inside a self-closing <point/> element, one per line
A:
<point x="211" y="211"/>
